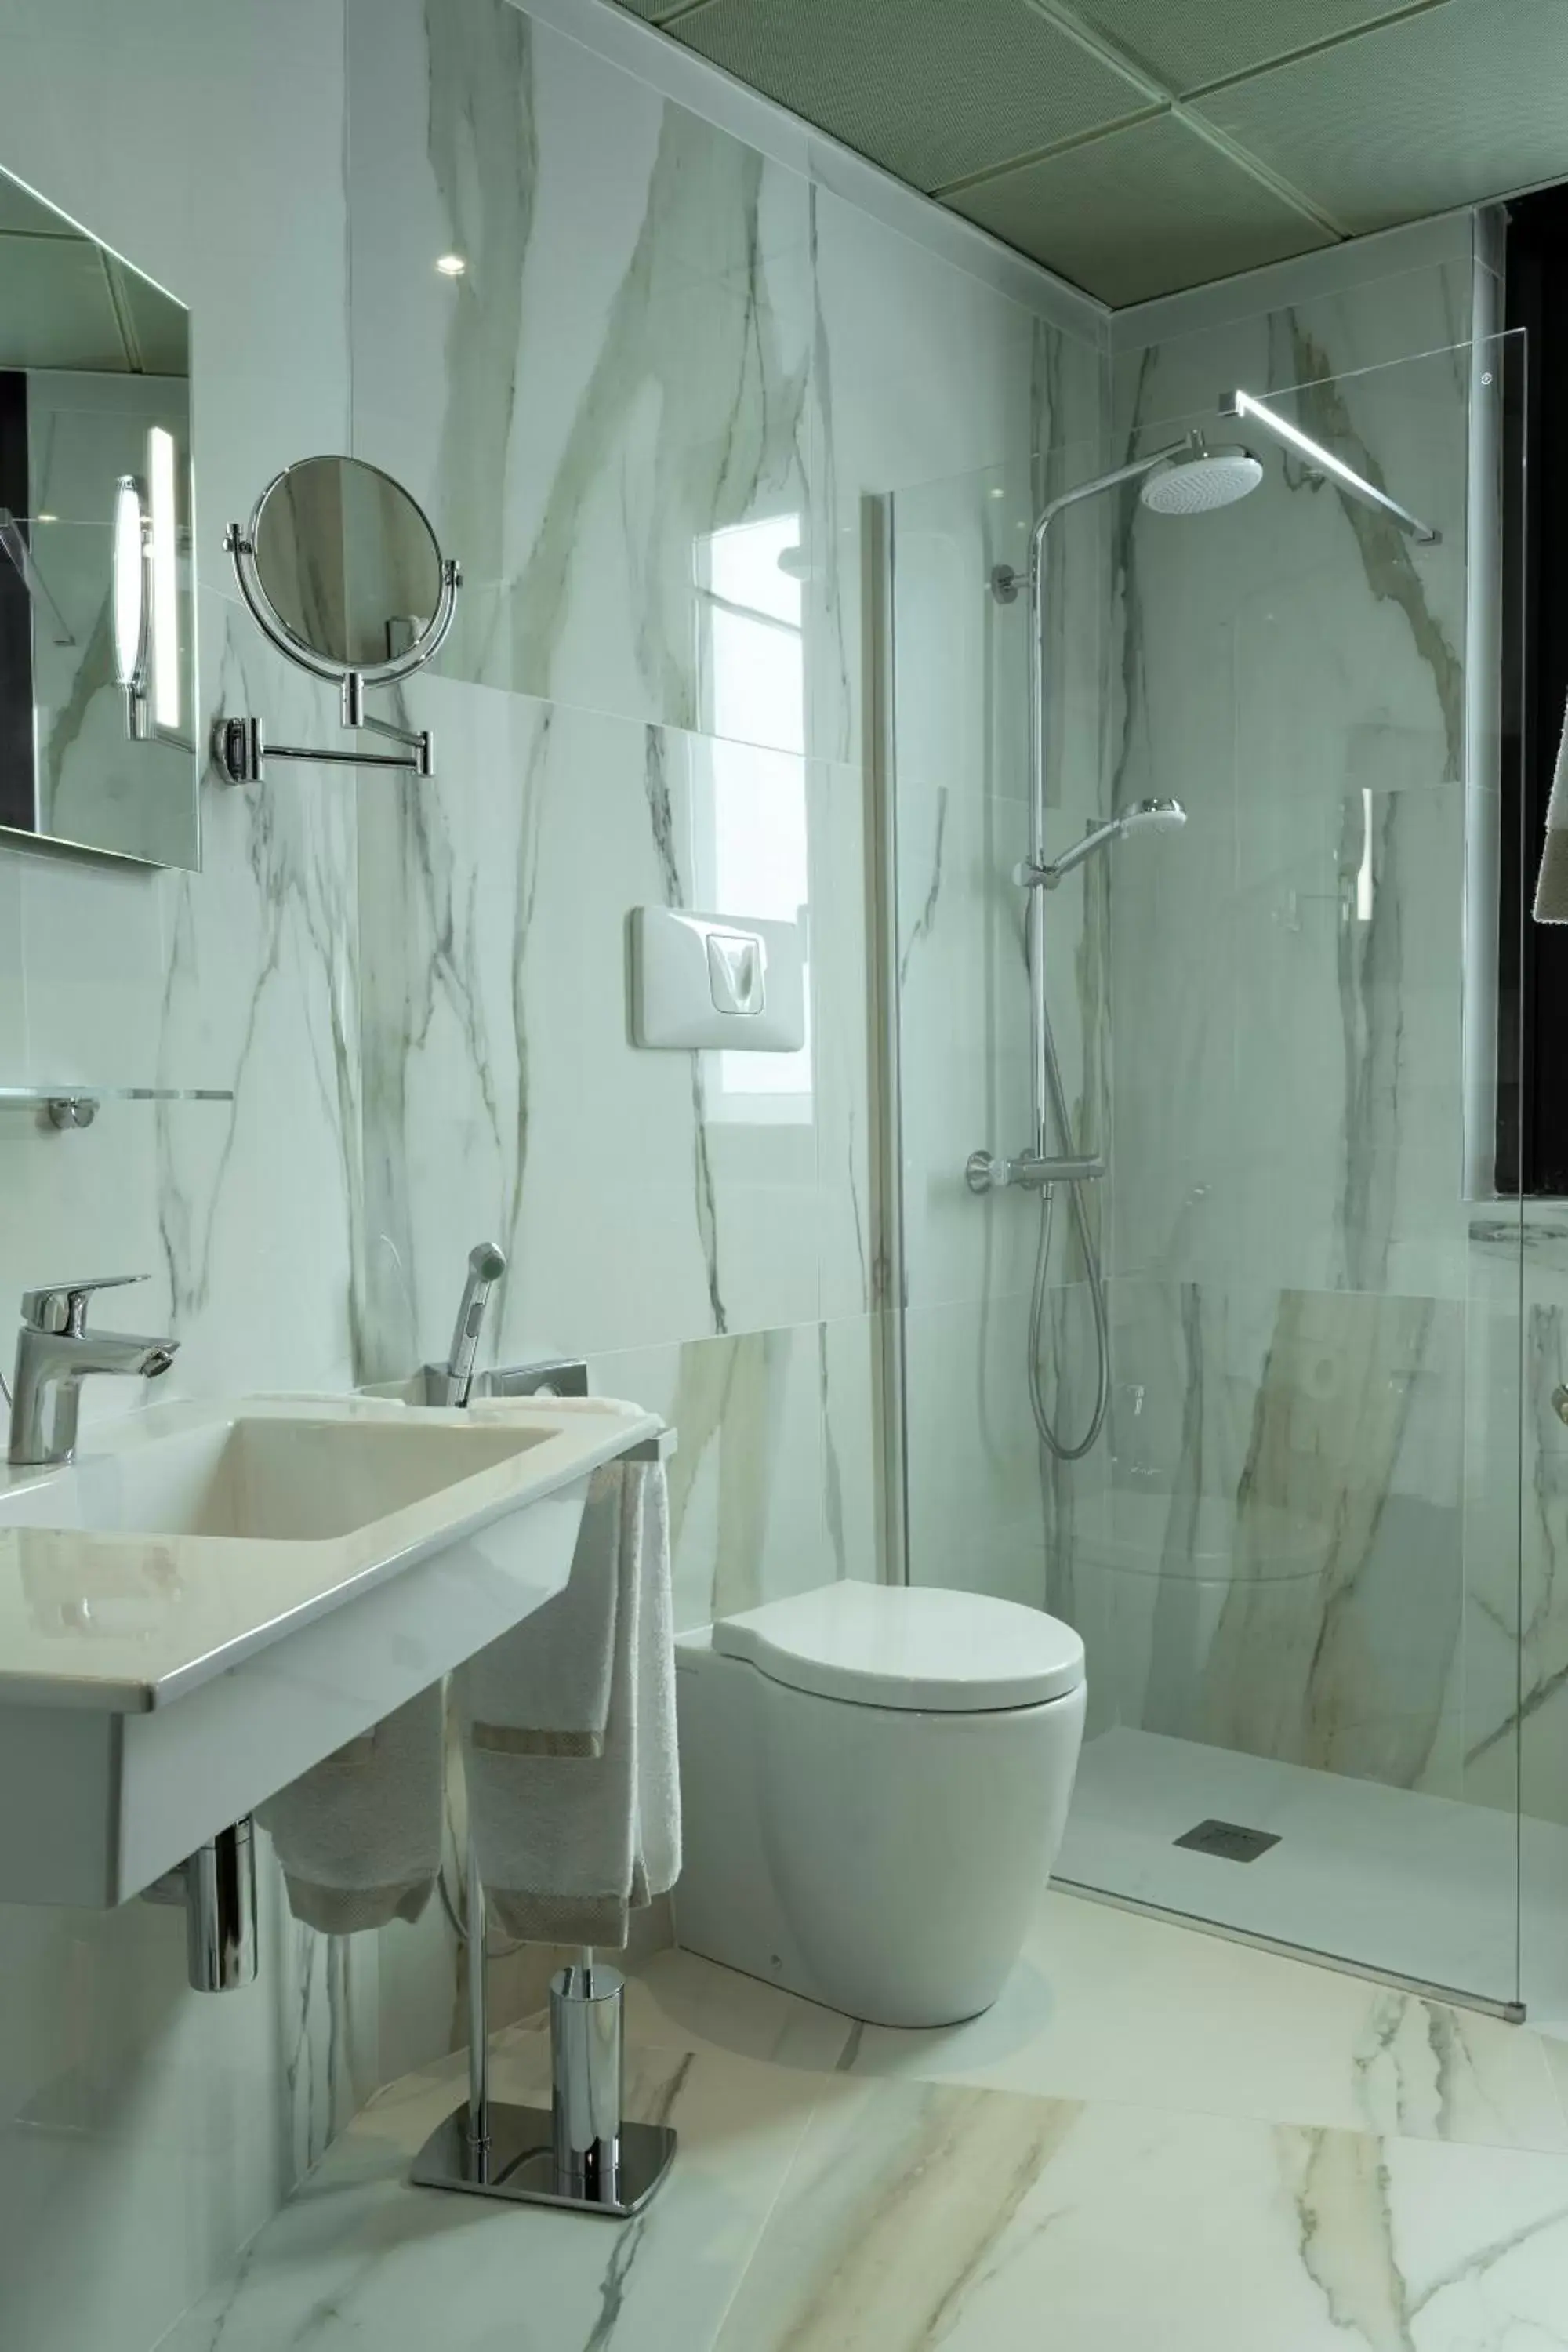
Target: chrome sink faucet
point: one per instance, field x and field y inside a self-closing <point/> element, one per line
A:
<point x="55" y="1353"/>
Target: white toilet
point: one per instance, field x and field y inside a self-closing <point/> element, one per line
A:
<point x="874" y="1781"/>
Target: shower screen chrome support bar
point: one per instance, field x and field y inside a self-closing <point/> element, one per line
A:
<point x="1243" y="405"/>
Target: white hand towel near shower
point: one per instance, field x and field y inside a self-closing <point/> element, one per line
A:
<point x="1551" y="882"/>
<point x="568" y="1728"/>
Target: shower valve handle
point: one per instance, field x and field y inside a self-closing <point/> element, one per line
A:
<point x="985" y="1171"/>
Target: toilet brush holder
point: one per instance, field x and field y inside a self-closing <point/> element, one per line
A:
<point x="579" y="2154"/>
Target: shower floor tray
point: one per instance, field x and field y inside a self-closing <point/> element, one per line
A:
<point x="1388" y="1880"/>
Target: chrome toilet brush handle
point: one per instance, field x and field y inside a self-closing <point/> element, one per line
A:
<point x="588" y="2080"/>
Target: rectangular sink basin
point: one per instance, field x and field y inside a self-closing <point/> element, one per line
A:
<point x="212" y="1598"/>
<point x="282" y="1478"/>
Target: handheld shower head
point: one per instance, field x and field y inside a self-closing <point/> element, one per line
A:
<point x="1146" y="816"/>
<point x="1158" y="816"/>
<point x="486" y="1266"/>
<point x="1200" y="483"/>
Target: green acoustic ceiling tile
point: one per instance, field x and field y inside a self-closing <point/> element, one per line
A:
<point x="1186" y="43"/>
<point x="932" y="89"/>
<point x="1143" y="211"/>
<point x="1443" y="109"/>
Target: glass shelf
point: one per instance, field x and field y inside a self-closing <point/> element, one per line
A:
<point x="75" y="1104"/>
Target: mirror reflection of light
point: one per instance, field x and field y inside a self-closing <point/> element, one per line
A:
<point x="451" y="265"/>
<point x="129" y="587"/>
<point x="751" y="818"/>
<point x="1364" y="886"/>
<point x="166" y="578"/>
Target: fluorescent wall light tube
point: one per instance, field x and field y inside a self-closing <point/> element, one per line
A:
<point x="1243" y="405"/>
<point x="166" y="578"/>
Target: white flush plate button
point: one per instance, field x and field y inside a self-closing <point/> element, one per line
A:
<point x="737" y="963"/>
<point x="716" y="980"/>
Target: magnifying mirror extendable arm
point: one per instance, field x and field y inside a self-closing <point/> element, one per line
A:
<point x="242" y="747"/>
<point x="339" y="568"/>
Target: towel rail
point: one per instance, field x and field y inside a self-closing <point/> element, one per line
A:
<point x="580" y="2153"/>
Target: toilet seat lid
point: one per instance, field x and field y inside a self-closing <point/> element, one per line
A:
<point x="907" y="1647"/>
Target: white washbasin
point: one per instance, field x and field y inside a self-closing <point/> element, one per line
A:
<point x="214" y="1597"/>
<point x="274" y="1476"/>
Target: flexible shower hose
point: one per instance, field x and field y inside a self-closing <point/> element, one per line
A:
<point x="1058" y="1446"/>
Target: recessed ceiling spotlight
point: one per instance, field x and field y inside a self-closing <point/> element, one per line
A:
<point x="451" y="265"/>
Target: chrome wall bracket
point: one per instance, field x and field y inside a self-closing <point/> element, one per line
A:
<point x="579" y="2154"/>
<point x="241" y="750"/>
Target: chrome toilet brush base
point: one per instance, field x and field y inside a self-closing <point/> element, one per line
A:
<point x="579" y="2154"/>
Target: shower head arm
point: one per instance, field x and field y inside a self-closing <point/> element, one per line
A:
<point x="1134" y="472"/>
<point x="1046" y="876"/>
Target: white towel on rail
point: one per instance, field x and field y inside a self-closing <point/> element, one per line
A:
<point x="568" y="1728"/>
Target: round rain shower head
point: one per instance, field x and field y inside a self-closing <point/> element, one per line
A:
<point x="1158" y="816"/>
<point x="1202" y="483"/>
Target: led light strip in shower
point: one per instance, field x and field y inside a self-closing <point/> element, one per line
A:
<point x="1243" y="405"/>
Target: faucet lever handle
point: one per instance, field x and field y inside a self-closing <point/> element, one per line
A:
<point x="61" y="1306"/>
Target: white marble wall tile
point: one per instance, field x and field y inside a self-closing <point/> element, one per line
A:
<point x="977" y="1497"/>
<point x="1287" y="1476"/>
<point x="1516" y="1716"/>
<point x="621" y="372"/>
<point x="851" y="1384"/>
<point x="920" y="380"/>
<point x="641" y="1196"/>
<point x="751" y="1505"/>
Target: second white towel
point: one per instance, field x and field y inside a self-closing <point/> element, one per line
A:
<point x="568" y="1726"/>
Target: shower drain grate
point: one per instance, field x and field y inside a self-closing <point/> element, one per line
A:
<point x="1229" y="1839"/>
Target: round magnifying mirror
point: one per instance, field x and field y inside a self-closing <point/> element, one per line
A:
<point x="349" y="569"/>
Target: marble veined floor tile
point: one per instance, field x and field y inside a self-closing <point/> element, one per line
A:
<point x="360" y="2258"/>
<point x="1106" y="2004"/>
<point x="920" y="2214"/>
<point x="678" y="2000"/>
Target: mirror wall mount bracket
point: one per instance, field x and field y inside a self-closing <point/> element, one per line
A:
<point x="241" y="747"/>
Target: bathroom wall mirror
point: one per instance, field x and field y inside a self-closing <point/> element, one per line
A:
<point x="340" y="569"/>
<point x="97" y="612"/>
